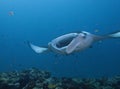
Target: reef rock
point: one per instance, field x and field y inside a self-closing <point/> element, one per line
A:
<point x="37" y="79"/>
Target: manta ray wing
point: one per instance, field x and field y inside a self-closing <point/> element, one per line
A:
<point x="37" y="49"/>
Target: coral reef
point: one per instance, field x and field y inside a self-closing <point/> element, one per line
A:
<point x="36" y="79"/>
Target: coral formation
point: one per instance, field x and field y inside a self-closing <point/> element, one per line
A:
<point x="36" y="79"/>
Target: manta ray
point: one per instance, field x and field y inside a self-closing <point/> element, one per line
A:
<point x="72" y="42"/>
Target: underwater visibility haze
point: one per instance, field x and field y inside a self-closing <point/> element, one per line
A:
<point x="40" y="21"/>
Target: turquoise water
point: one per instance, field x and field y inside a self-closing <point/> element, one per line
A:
<point x="40" y="21"/>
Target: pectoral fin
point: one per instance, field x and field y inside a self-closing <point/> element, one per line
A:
<point x="115" y="34"/>
<point x="107" y="36"/>
<point x="37" y="49"/>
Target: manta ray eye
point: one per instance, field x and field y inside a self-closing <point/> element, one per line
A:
<point x="84" y="35"/>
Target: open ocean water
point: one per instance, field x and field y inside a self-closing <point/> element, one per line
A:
<point x="40" y="21"/>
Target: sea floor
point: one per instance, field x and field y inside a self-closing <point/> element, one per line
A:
<point x="34" y="78"/>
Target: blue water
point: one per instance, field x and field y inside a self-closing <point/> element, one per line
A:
<point x="40" y="21"/>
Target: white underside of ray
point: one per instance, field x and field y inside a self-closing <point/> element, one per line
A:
<point x="38" y="49"/>
<point x="115" y="34"/>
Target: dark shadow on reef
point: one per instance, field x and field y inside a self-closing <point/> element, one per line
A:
<point x="36" y="79"/>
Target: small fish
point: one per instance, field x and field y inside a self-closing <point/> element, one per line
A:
<point x="96" y="30"/>
<point x="72" y="42"/>
<point x="11" y="13"/>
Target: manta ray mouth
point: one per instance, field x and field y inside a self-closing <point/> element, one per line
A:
<point x="64" y="42"/>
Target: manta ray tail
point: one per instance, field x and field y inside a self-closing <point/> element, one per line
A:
<point x="37" y="49"/>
